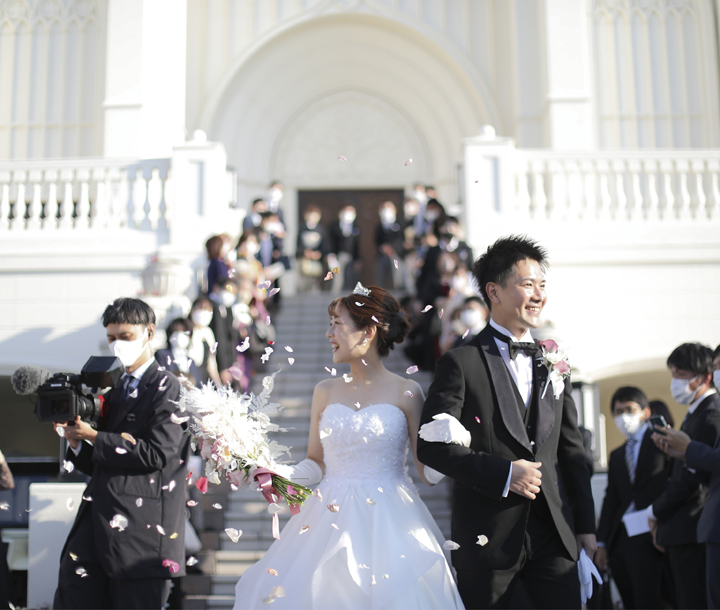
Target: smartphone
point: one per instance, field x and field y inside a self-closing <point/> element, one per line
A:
<point x="659" y="421"/>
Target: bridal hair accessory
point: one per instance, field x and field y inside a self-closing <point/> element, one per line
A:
<point x="360" y="289"/>
<point x="231" y="431"/>
<point x="556" y="360"/>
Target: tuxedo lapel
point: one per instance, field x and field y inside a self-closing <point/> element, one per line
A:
<point x="502" y="383"/>
<point x="125" y="406"/>
<point x="545" y="401"/>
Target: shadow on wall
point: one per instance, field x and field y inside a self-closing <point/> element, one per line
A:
<point x="655" y="384"/>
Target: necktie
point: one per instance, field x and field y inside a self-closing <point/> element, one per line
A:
<point x="630" y="458"/>
<point x="515" y="347"/>
<point x="128" y="386"/>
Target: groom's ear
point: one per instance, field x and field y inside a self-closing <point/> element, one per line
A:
<point x="491" y="289"/>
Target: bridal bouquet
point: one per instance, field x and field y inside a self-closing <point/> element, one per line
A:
<point x="231" y="431"/>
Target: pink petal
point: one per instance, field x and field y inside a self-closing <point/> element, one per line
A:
<point x="202" y="484"/>
<point x="341" y="158"/>
<point x="409" y="394"/>
<point x="412" y="369"/>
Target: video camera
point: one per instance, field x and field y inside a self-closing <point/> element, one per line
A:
<point x="62" y="397"/>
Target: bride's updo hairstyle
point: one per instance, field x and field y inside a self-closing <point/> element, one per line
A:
<point x="379" y="309"/>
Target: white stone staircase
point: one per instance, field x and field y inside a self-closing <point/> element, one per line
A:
<point x="301" y="325"/>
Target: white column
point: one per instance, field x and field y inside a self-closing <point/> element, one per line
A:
<point x="569" y="74"/>
<point x="145" y="77"/>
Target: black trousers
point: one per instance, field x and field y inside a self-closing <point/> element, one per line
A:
<point x="84" y="583"/>
<point x="713" y="574"/>
<point x="687" y="563"/>
<point x="636" y="567"/>
<point x="548" y="574"/>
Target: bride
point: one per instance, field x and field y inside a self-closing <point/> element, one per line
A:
<point x="365" y="539"/>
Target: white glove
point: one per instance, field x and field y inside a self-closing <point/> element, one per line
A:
<point x="445" y="429"/>
<point x="586" y="571"/>
<point x="307" y="472"/>
<point x="433" y="476"/>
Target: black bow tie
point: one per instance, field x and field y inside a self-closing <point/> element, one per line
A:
<point x="515" y="347"/>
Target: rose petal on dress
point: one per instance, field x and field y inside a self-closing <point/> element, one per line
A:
<point x="70" y="504"/>
<point x="217" y="506"/>
<point x="278" y="591"/>
<point x="482" y="540"/>
<point x="373" y="581"/>
<point x="68" y="465"/>
<point x="291" y="361"/>
<point x="335" y="270"/>
<point x="129" y="438"/>
<point x="191" y="561"/>
<point x="120" y="450"/>
<point x="119" y="522"/>
<point x="341" y="158"/>
<point x="333" y="508"/>
<point x="171" y="485"/>
<point x="178" y="420"/>
<point x="138" y="502"/>
<point x="427" y="308"/>
<point x="371" y="502"/>
<point x="449" y="545"/>
<point x="325" y="432"/>
<point x="87" y="498"/>
<point x="386" y="576"/>
<point x="327" y="369"/>
<point x="363" y="361"/>
<point x="335" y="526"/>
<point x="233" y="534"/>
<point x="191" y="503"/>
<point x="161" y="368"/>
<point x="304" y="529"/>
<point x="333" y="372"/>
<point x="346" y="378"/>
<point x="318" y="493"/>
<point x="328" y="276"/>
<point x="409" y="394"/>
<point x="412" y="369"/>
<point x="272" y="572"/>
<point x="362" y="566"/>
<point x="466" y="333"/>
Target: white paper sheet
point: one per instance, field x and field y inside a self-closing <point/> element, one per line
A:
<point x="636" y="523"/>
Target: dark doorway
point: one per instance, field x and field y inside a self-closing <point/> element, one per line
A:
<point x="367" y="203"/>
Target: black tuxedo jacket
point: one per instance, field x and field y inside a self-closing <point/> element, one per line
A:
<point x="651" y="476"/>
<point x="473" y="384"/>
<point x="152" y="470"/>
<point x="679" y="508"/>
<point x="226" y="335"/>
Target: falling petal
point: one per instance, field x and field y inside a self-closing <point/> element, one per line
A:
<point x="161" y="368"/>
<point x="213" y="349"/>
<point x="318" y="493"/>
<point x="267" y="321"/>
<point x="244" y="345"/>
<point x="325" y="432"/>
<point x="120" y="450"/>
<point x="346" y="378"/>
<point x="191" y="561"/>
<point x="191" y="503"/>
<point x="386" y="576"/>
<point x="70" y="504"/>
<point x="291" y="491"/>
<point x="327" y="369"/>
<point x="277" y="591"/>
<point x="357" y="405"/>
<point x="341" y="158"/>
<point x="269" y="600"/>
<point x="87" y="498"/>
<point x="328" y="276"/>
<point x="272" y="572"/>
<point x="233" y="534"/>
<point x="273" y="292"/>
<point x="81" y="572"/>
<point x="335" y="526"/>
<point x="371" y="502"/>
<point x="129" y="438"/>
<point x="173" y="535"/>
<point x="408" y="162"/>
<point x="4" y="506"/>
<point x="217" y="506"/>
<point x="380" y="489"/>
<point x="119" y="522"/>
<point x="451" y="546"/>
<point x="373" y="581"/>
<point x="333" y="372"/>
<point x="169" y="360"/>
<point x="73" y="556"/>
<point x="171" y="565"/>
<point x="440" y="315"/>
<point x="178" y="420"/>
<point x="304" y="529"/>
<point x="362" y="566"/>
<point x="427" y="308"/>
<point x="395" y="263"/>
<point x="412" y="369"/>
<point x="160" y="529"/>
<point x="274" y="508"/>
<point x="67" y="465"/>
<point x="482" y="540"/>
<point x="234" y="487"/>
<point x="202" y="484"/>
<point x="138" y="502"/>
<point x="60" y="432"/>
<point x="288" y="349"/>
<point x="359" y="304"/>
<point x="134" y="393"/>
<point x="335" y="270"/>
<point x="402" y="556"/>
<point x="363" y="361"/>
<point x="466" y="333"/>
<point x="264" y="285"/>
<point x="291" y="361"/>
<point x="333" y="508"/>
<point x="409" y="394"/>
<point x="375" y="320"/>
<point x="477" y="419"/>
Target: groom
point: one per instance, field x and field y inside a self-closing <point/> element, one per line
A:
<point x="522" y="503"/>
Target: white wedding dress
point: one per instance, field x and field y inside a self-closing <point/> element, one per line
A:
<point x="381" y="549"/>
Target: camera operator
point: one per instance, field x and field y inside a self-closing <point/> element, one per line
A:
<point x="128" y="537"/>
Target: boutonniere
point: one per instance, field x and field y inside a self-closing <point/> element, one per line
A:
<point x="556" y="361"/>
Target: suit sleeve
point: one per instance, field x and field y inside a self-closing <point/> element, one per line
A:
<point x="162" y="439"/>
<point x="681" y="488"/>
<point x="479" y="470"/>
<point x="611" y="505"/>
<point x="573" y="466"/>
<point x="702" y="457"/>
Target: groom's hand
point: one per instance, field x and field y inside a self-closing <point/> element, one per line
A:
<point x="525" y="478"/>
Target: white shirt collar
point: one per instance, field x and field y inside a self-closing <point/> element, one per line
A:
<point x="527" y="337"/>
<point x="696" y="403"/>
<point x="640" y="432"/>
<point x="140" y="371"/>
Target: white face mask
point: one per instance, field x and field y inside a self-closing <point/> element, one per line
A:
<point x="228" y="298"/>
<point x="276" y="194"/>
<point x="471" y="317"/>
<point x="629" y="423"/>
<point x="129" y="351"/>
<point x="347" y="218"/>
<point x="232" y="256"/>
<point x="680" y="391"/>
<point x="431" y="215"/>
<point x="387" y="216"/>
<point x="252" y="248"/>
<point x="421" y="196"/>
<point x="202" y="317"/>
<point x="312" y="221"/>
<point x="716" y="379"/>
<point x="179" y="340"/>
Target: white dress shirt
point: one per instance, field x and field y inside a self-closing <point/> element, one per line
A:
<point x="520" y="370"/>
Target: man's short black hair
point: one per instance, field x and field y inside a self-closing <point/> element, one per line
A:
<point x="128" y="311"/>
<point x="496" y="265"/>
<point x="716" y="352"/>
<point x="629" y="394"/>
<point x="694" y="357"/>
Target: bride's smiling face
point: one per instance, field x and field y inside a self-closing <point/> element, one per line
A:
<point x="346" y="339"/>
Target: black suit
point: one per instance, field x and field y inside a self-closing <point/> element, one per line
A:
<point x="226" y="335"/>
<point x="679" y="508"/>
<point x="473" y="384"/>
<point x="145" y="484"/>
<point x="635" y="563"/>
<point x="707" y="460"/>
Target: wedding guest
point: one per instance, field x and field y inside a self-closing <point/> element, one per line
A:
<point x="674" y="516"/>
<point x="175" y="356"/>
<point x="202" y="340"/>
<point x="276" y="191"/>
<point x="312" y="247"/>
<point x="344" y="250"/>
<point x="222" y="324"/>
<point x="254" y="216"/>
<point x="473" y="315"/>
<point x="449" y="234"/>
<point x="389" y="240"/>
<point x="217" y="268"/>
<point x="637" y="475"/>
<point x="658" y="407"/>
<point x="248" y="249"/>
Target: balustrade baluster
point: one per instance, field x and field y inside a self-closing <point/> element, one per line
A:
<point x="667" y="198"/>
<point x="539" y="197"/>
<point x="117" y="198"/>
<point x="683" y="167"/>
<point x="522" y="198"/>
<point x="35" y="205"/>
<point x="620" y="211"/>
<point x="82" y="212"/>
<point x="653" y="200"/>
<point x="5" y="201"/>
<point x="67" y="205"/>
<point x="603" y="210"/>
<point x="634" y="168"/>
<point x="699" y="199"/>
<point x="558" y="190"/>
<point x="574" y="189"/>
<point x="154" y="197"/>
<point x="50" y="177"/>
<point x="589" y="186"/>
<point x="167" y="198"/>
<point x="99" y="205"/>
<point x="713" y="207"/>
<point x="139" y="198"/>
<point x="20" y="206"/>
